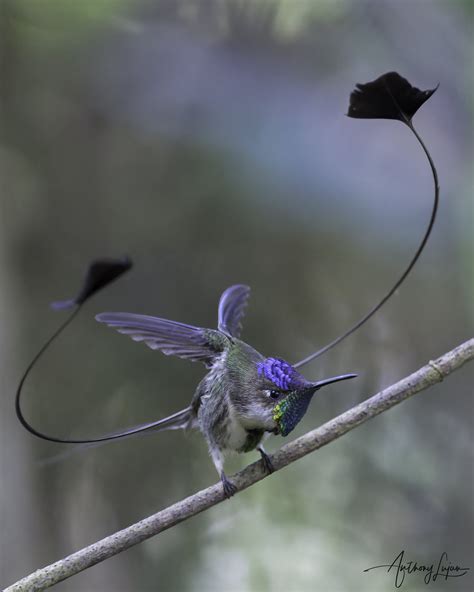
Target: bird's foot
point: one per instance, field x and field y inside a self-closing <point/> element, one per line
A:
<point x="229" y="488"/>
<point x="267" y="463"/>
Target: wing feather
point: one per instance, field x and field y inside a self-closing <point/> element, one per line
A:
<point x="232" y="309"/>
<point x="170" y="337"/>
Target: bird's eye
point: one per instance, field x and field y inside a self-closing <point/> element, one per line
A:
<point x="273" y="394"/>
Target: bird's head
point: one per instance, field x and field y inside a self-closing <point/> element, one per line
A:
<point x="288" y="391"/>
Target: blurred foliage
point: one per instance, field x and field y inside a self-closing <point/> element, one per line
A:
<point x="207" y="141"/>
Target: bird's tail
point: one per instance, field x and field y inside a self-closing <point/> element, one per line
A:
<point x="184" y="419"/>
<point x="180" y="420"/>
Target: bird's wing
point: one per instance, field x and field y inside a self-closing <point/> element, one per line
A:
<point x="232" y="309"/>
<point x="170" y="337"/>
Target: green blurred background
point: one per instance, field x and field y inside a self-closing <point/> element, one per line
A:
<point x="208" y="141"/>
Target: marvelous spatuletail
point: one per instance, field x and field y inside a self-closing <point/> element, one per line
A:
<point x="244" y="396"/>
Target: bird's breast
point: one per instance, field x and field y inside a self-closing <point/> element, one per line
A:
<point x="236" y="435"/>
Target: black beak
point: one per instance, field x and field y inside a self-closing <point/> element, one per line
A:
<point x="321" y="383"/>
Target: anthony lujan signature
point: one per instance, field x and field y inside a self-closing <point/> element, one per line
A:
<point x="442" y="569"/>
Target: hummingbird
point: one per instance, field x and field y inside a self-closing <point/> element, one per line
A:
<point x="243" y="398"/>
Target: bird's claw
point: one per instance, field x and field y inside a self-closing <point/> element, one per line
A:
<point x="267" y="463"/>
<point x="229" y="488"/>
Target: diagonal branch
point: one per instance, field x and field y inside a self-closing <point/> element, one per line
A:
<point x="433" y="372"/>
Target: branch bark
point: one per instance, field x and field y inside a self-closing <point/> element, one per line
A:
<point x="425" y="377"/>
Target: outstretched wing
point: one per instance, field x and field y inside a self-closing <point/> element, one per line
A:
<point x="170" y="337"/>
<point x="232" y="308"/>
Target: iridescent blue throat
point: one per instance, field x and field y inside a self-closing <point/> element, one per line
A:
<point x="290" y="411"/>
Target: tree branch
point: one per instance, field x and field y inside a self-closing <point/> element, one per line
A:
<point x="433" y="372"/>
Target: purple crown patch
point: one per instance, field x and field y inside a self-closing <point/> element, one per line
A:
<point x="277" y="371"/>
